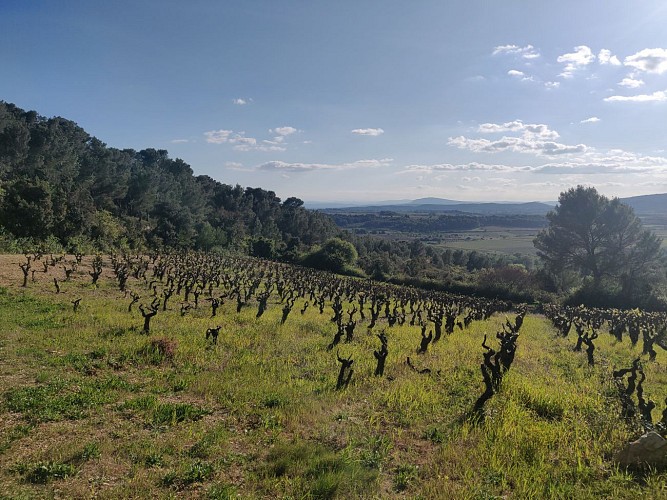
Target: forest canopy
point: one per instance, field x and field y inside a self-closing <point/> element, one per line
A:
<point x="58" y="182"/>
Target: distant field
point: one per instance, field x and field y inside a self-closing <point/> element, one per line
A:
<point x="508" y="241"/>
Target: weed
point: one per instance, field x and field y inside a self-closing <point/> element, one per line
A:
<point x="195" y="472"/>
<point x="90" y="451"/>
<point x="404" y="476"/>
<point x="221" y="492"/>
<point x="434" y="435"/>
<point x="153" y="459"/>
<point x="43" y="472"/>
<point x="174" y="413"/>
<point x="179" y="385"/>
<point x="54" y="401"/>
<point x="374" y="451"/>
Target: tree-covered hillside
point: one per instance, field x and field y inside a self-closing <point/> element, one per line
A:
<point x="56" y="181"/>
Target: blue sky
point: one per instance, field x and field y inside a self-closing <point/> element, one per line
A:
<point x="360" y="100"/>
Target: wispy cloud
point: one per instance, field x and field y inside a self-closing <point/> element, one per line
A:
<point x="580" y="58"/>
<point x="527" y="52"/>
<point x="515" y="73"/>
<point x="593" y="163"/>
<point x="218" y="136"/>
<point x="239" y="141"/>
<point x="179" y="141"/>
<point x="658" y="96"/>
<point x="373" y="132"/>
<point x="648" y="60"/>
<point x="592" y="119"/>
<point x="631" y="83"/>
<point x="241" y="101"/>
<point x="281" y="166"/>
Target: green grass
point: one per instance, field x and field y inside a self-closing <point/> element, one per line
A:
<point x="90" y="403"/>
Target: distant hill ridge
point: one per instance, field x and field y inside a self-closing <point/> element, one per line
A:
<point x="652" y="204"/>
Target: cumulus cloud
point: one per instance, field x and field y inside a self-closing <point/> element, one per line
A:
<point x="527" y="52"/>
<point x="592" y="119"/>
<point x="533" y="138"/>
<point x="281" y="166"/>
<point x="538" y="129"/>
<point x="580" y="58"/>
<point x="552" y="85"/>
<point x="605" y="57"/>
<point x="532" y="145"/>
<point x="649" y="61"/>
<point x="240" y="101"/>
<point x="373" y="132"/>
<point x="658" y="96"/>
<point x="631" y="83"/>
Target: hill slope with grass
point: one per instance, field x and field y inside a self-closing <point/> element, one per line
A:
<point x="93" y="405"/>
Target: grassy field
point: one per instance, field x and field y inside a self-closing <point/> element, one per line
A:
<point x="93" y="407"/>
<point x="503" y="240"/>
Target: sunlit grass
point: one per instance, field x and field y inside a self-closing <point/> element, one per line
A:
<point x="257" y="414"/>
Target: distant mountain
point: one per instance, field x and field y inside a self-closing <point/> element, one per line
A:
<point x="532" y="208"/>
<point x="650" y="204"/>
<point x="323" y="205"/>
<point x="435" y="201"/>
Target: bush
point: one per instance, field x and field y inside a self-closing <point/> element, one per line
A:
<point x="159" y="350"/>
<point x="336" y="256"/>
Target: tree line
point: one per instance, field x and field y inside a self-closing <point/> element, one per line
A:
<point x="59" y="183"/>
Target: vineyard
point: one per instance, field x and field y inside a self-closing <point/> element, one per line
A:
<point x="204" y="376"/>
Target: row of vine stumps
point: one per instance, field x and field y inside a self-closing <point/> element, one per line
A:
<point x="201" y="281"/>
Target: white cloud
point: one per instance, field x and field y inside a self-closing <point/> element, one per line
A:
<point x="527" y="52"/>
<point x="530" y="145"/>
<point x="218" y="136"/>
<point x="552" y="85"/>
<point x="373" y="132"/>
<point x="631" y="83"/>
<point x="580" y="58"/>
<point x="179" y="141"/>
<point x="591" y="163"/>
<point x="605" y="57"/>
<point x="240" y="101"/>
<point x="592" y="119"/>
<point x="534" y="138"/>
<point x="648" y="60"/>
<point x="239" y="141"/>
<point x="515" y="73"/>
<point x="537" y="129"/>
<point x="658" y="96"/>
<point x="281" y="166"/>
<point x="465" y="167"/>
<point x="283" y="131"/>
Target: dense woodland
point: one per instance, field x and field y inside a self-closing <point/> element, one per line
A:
<point x="62" y="190"/>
